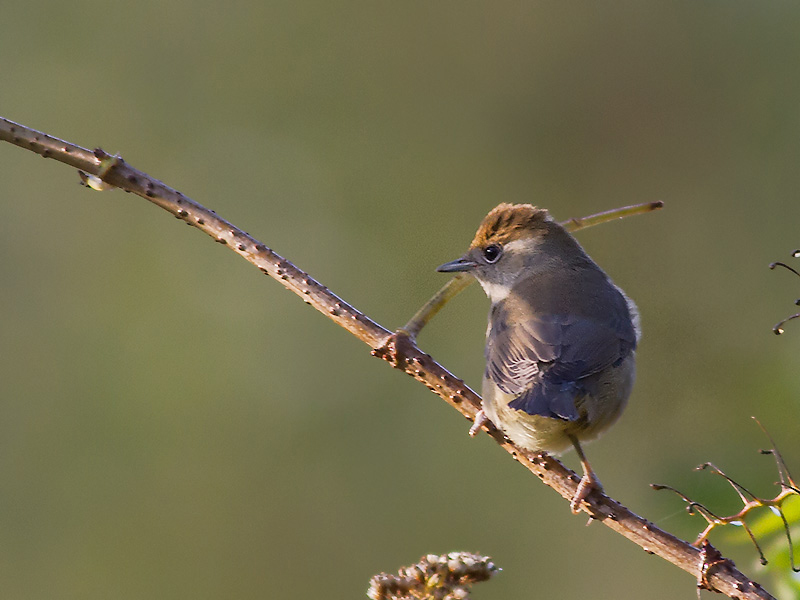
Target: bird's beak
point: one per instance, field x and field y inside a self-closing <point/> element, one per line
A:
<point x="455" y="266"/>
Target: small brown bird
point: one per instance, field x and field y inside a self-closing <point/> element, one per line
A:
<point x="561" y="341"/>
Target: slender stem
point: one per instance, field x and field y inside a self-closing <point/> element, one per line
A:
<point x="114" y="171"/>
<point x="609" y="215"/>
<point x="450" y="290"/>
<point x="461" y="281"/>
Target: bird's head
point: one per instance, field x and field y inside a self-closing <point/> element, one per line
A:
<point x="514" y="241"/>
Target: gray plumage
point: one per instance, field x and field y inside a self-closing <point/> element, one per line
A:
<point x="561" y="341"/>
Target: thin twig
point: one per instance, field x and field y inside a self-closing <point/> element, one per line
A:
<point x="749" y="500"/>
<point x="461" y="281"/>
<point x="398" y="349"/>
<point x="777" y="329"/>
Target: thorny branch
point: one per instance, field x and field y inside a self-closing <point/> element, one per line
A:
<point x="788" y="487"/>
<point x="778" y="328"/>
<point x="101" y="170"/>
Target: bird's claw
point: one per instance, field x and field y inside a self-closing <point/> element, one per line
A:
<point x="480" y="419"/>
<point x="588" y="484"/>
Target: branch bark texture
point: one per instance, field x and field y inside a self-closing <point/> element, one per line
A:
<point x="710" y="570"/>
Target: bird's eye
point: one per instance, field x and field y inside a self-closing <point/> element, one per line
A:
<point x="492" y="253"/>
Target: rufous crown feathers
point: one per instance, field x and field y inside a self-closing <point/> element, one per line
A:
<point x="507" y="222"/>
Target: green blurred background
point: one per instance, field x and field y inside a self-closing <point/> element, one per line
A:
<point x="176" y="425"/>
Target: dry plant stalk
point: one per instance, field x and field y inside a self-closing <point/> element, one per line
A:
<point x="102" y="170"/>
<point x="446" y="577"/>
<point x="460" y="281"/>
<point x="788" y="487"/>
<point x="778" y="328"/>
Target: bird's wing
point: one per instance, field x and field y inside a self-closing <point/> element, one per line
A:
<point x="543" y="358"/>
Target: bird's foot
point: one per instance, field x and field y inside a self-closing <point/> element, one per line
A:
<point x="588" y="484"/>
<point x="480" y="419"/>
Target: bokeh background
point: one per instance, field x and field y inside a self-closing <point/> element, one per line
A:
<point x="175" y="425"/>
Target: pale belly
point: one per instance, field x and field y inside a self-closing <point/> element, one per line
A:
<point x="598" y="411"/>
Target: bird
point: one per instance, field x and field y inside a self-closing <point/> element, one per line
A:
<point x="561" y="338"/>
